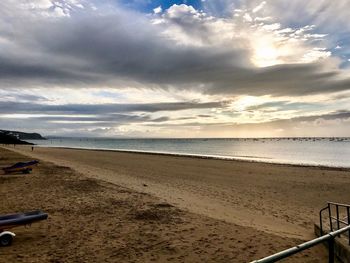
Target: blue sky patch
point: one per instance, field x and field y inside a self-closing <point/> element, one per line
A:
<point x="148" y="6"/>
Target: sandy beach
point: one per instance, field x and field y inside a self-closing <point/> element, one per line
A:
<point x="125" y="207"/>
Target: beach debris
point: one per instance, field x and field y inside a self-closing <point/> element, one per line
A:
<point x="163" y="205"/>
<point x="162" y="213"/>
<point x="21" y="167"/>
<point x="149" y="214"/>
<point x="6" y="238"/>
<point x="145" y="185"/>
<point x="16" y="220"/>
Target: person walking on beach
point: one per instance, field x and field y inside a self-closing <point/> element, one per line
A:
<point x="32" y="148"/>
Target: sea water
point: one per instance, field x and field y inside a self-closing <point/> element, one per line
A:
<point x="332" y="152"/>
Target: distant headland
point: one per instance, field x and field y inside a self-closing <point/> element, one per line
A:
<point x="16" y="137"/>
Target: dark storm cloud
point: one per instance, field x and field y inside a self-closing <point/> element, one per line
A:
<point x="88" y="48"/>
<point x="20" y="96"/>
<point x="12" y="68"/>
<point x="115" y="118"/>
<point x="112" y="47"/>
<point x="297" y="79"/>
<point x="84" y="117"/>
<point x="48" y="127"/>
<point x="343" y="114"/>
<point x="22" y="107"/>
<point x="104" y="119"/>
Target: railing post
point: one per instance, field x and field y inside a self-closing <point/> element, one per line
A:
<point x="330" y="217"/>
<point x="348" y="215"/>
<point x="321" y="229"/>
<point x="337" y="210"/>
<point x="331" y="250"/>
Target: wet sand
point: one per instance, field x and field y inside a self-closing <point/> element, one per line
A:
<point x="123" y="207"/>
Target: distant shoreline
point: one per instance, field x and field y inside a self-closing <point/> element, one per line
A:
<point x="195" y="138"/>
<point x="199" y="156"/>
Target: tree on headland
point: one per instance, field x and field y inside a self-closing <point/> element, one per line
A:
<point x="9" y="139"/>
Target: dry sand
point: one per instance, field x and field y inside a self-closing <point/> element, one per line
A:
<point x="126" y="207"/>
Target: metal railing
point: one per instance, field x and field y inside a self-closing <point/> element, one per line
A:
<point x="291" y="251"/>
<point x="337" y="220"/>
<point x="340" y="209"/>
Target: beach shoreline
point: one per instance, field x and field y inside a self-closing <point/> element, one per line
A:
<point x="249" y="159"/>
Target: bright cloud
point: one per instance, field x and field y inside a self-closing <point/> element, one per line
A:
<point x="157" y="10"/>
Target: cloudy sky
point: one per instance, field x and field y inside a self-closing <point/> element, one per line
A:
<point x="200" y="68"/>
